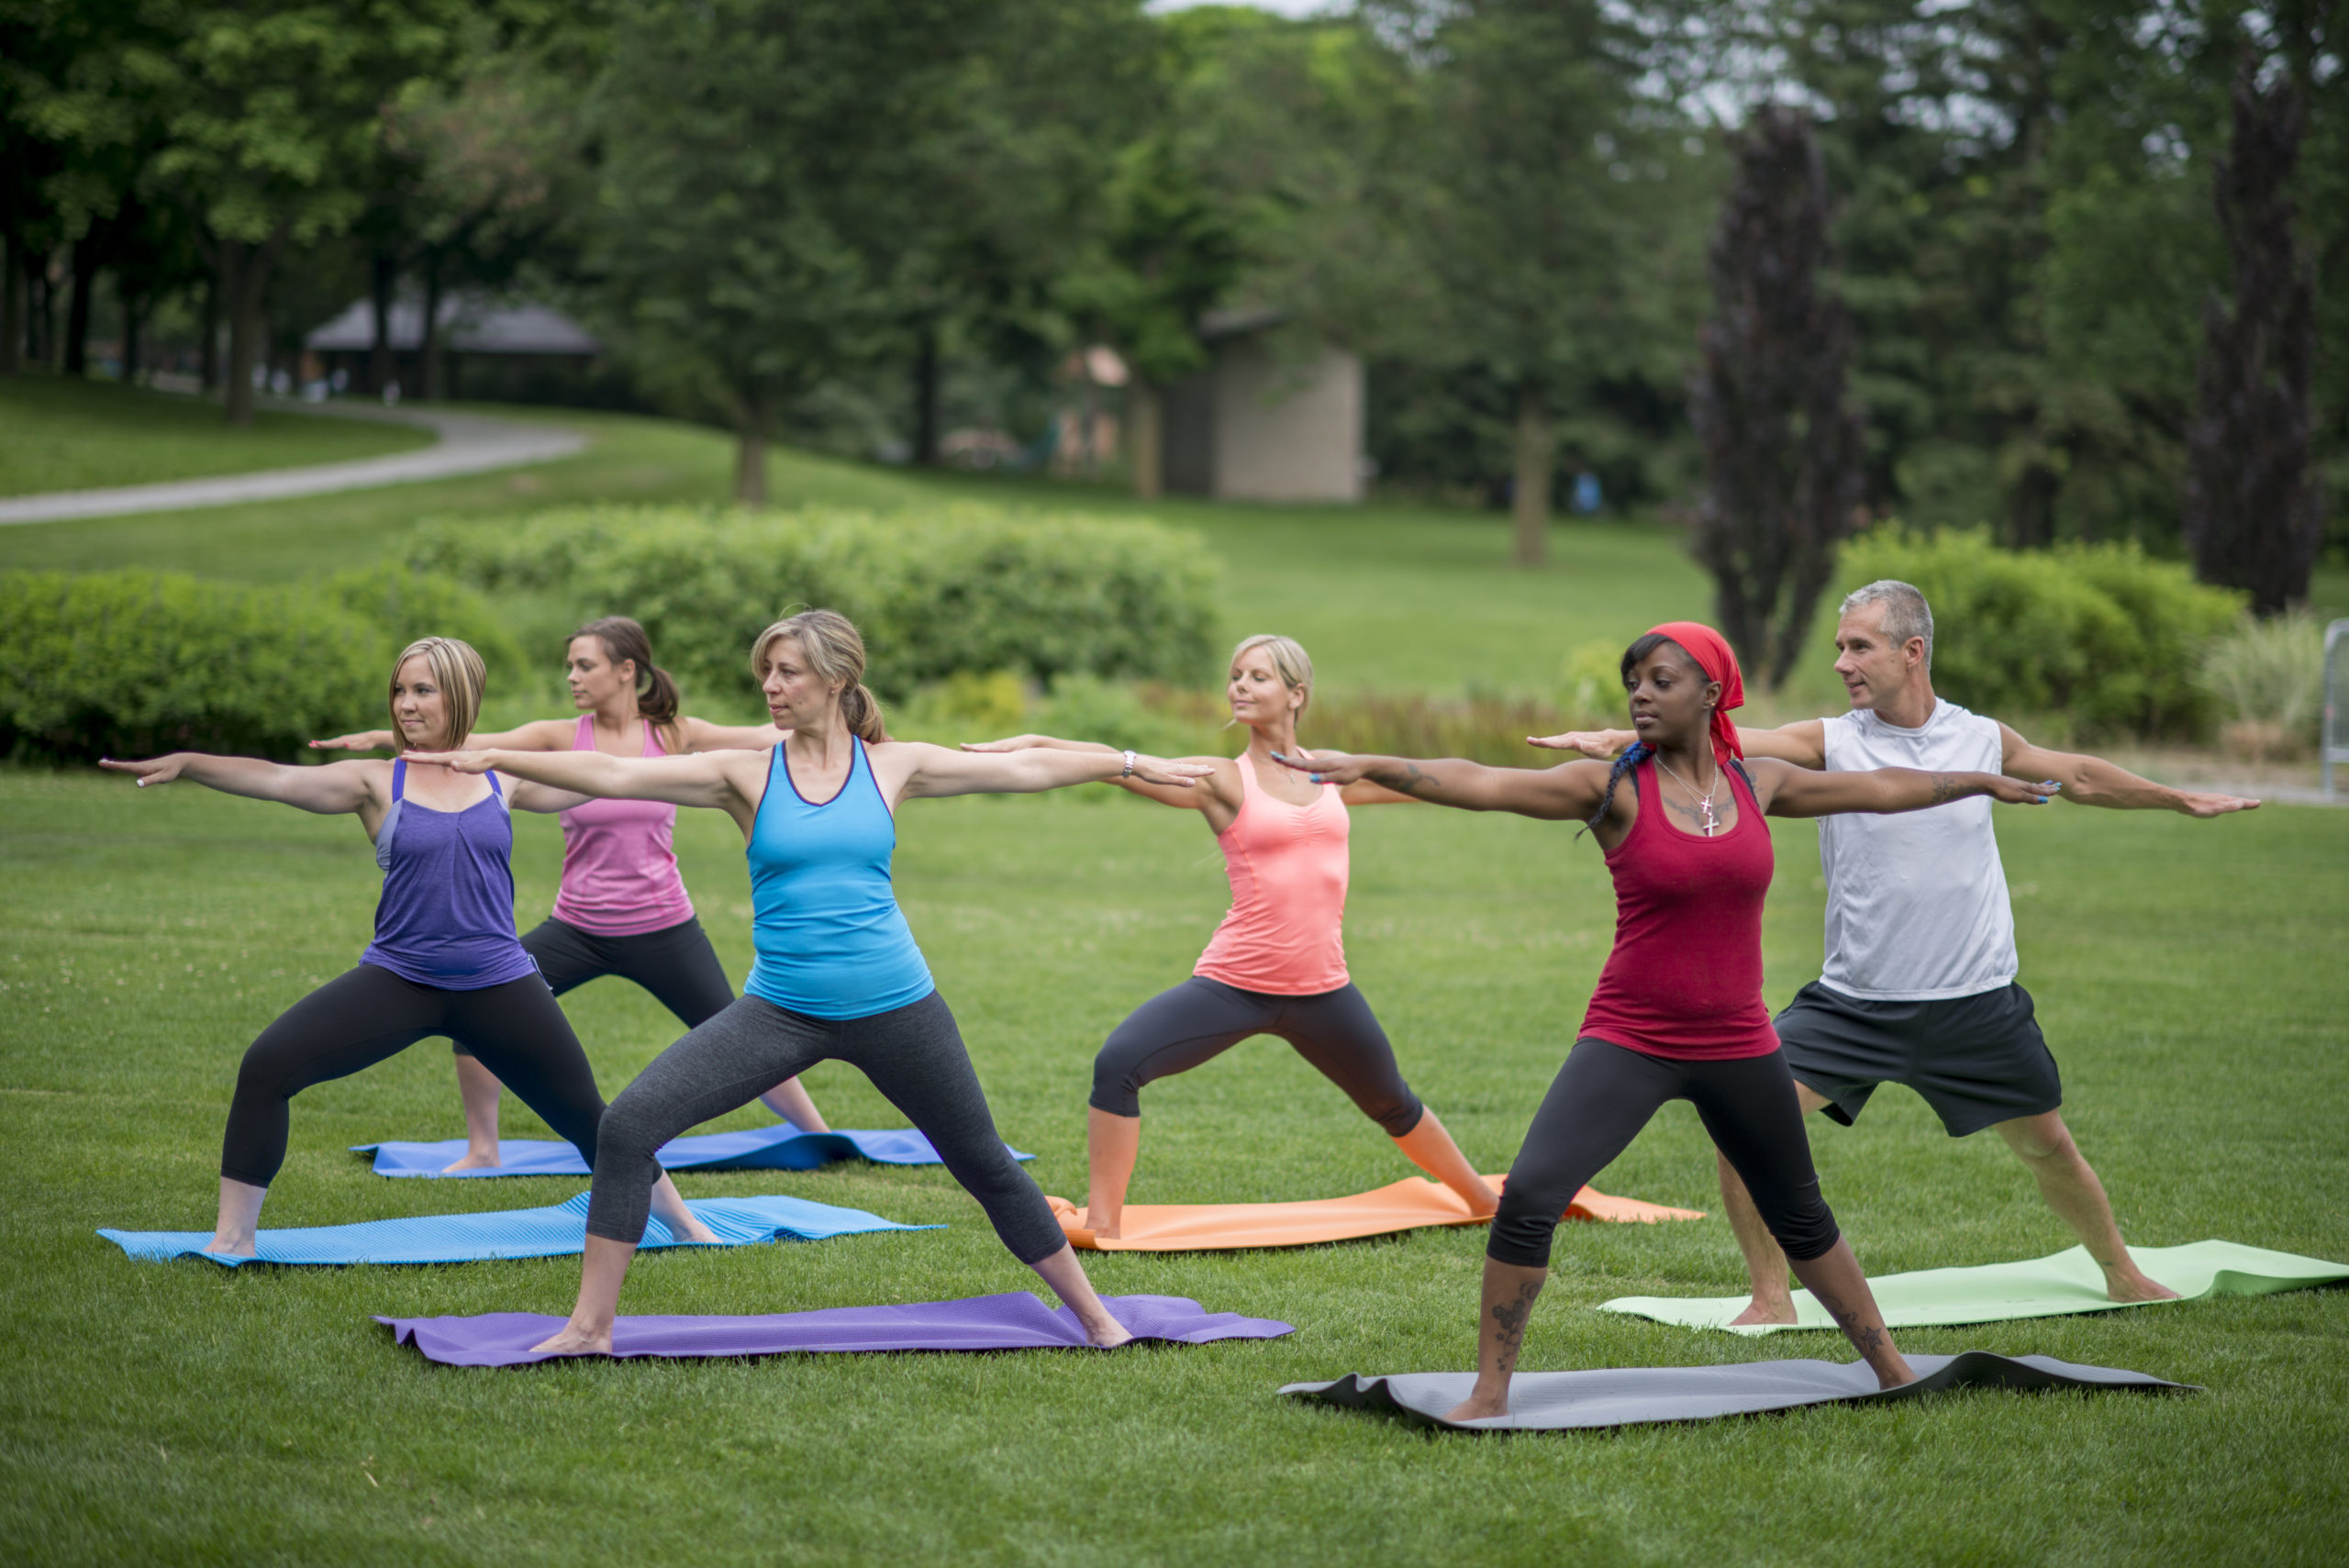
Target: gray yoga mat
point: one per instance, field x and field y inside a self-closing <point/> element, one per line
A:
<point x="1635" y="1395"/>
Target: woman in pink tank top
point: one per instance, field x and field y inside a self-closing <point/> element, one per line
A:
<point x="1677" y="1013"/>
<point x="621" y="908"/>
<point x="1277" y="963"/>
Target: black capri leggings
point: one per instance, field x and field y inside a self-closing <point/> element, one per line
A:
<point x="1605" y="1095"/>
<point x="913" y="1054"/>
<point x="1201" y="1018"/>
<point x="368" y="1015"/>
<point x="677" y="964"/>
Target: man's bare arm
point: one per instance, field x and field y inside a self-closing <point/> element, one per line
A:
<point x="2092" y="781"/>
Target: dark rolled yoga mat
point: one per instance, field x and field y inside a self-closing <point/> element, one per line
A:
<point x="1636" y="1395"/>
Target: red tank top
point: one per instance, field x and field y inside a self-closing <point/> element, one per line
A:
<point x="1684" y="980"/>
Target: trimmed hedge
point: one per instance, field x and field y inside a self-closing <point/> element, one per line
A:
<point x="131" y="664"/>
<point x="2102" y="635"/>
<point x="968" y="590"/>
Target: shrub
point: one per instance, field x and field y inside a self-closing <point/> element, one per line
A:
<point x="2102" y="636"/>
<point x="970" y="590"/>
<point x="130" y="664"/>
<point x="2268" y="678"/>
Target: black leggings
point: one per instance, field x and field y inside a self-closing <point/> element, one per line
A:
<point x="357" y="1019"/>
<point x="677" y="964"/>
<point x="913" y="1054"/>
<point x="1601" y="1099"/>
<point x="1201" y="1018"/>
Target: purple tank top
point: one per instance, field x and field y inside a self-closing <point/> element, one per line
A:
<point x="446" y="919"/>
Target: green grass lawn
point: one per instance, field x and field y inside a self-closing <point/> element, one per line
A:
<point x="87" y="435"/>
<point x="2188" y="975"/>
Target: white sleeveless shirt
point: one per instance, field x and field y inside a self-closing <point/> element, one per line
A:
<point x="1916" y="901"/>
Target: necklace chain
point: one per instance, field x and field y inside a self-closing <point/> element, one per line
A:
<point x="1703" y="802"/>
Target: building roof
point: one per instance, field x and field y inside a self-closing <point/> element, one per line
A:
<point x="470" y="324"/>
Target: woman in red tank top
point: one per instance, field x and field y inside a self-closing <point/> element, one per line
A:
<point x="1277" y="963"/>
<point x="1678" y="1011"/>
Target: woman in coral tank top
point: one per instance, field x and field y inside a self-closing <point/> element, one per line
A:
<point x="621" y="908"/>
<point x="1277" y="964"/>
<point x="1678" y="1011"/>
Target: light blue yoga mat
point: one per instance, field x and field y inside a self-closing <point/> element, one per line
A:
<point x="558" y="1231"/>
<point x="781" y="1147"/>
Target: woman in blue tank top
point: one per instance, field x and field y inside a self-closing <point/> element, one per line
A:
<point x="445" y="960"/>
<point x="838" y="975"/>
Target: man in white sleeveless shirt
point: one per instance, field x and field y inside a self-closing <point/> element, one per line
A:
<point x="1918" y="986"/>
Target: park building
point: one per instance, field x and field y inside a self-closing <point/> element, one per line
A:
<point x="487" y="350"/>
<point x="1272" y="416"/>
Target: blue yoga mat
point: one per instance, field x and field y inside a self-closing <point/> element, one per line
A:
<point x="779" y="1148"/>
<point x="558" y="1231"/>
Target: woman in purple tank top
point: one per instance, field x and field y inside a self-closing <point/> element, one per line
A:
<point x="445" y="960"/>
<point x="622" y="907"/>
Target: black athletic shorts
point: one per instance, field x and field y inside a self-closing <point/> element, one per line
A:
<point x="1977" y="1060"/>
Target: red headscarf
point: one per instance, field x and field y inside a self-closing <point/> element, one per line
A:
<point x="1719" y="660"/>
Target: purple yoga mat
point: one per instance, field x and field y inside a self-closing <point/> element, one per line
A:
<point x="1013" y="1321"/>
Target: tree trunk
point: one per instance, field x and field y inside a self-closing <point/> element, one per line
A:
<point x="1529" y="498"/>
<point x="379" y="352"/>
<point x="244" y="274"/>
<point x="428" y="341"/>
<point x="45" y="317"/>
<point x="208" y="352"/>
<point x="12" y="308"/>
<point x="1145" y="430"/>
<point x="134" y="316"/>
<point x="926" y="397"/>
<point x="77" y="315"/>
<point x="751" y="455"/>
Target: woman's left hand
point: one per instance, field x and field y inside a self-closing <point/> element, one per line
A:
<point x="2014" y="792"/>
<point x="1159" y="771"/>
<point x="455" y="761"/>
<point x="1327" y="767"/>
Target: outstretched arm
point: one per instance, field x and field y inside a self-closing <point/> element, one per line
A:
<point x="701" y="735"/>
<point x="2092" y="781"/>
<point x="1789" y="791"/>
<point x="1188" y="796"/>
<point x="1803" y="743"/>
<point x="330" y="791"/>
<point x="933" y="771"/>
<point x="1568" y="792"/>
<point x="720" y="780"/>
<point x="538" y="735"/>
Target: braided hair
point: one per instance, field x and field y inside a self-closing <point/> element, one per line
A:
<point x="1639" y="752"/>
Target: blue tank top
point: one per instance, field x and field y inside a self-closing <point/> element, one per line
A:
<point x="831" y="940"/>
<point x="446" y="919"/>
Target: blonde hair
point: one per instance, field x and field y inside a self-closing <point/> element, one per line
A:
<point x="1290" y="662"/>
<point x="458" y="670"/>
<point x="835" y="651"/>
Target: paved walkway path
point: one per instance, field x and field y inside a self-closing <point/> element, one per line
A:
<point x="469" y="443"/>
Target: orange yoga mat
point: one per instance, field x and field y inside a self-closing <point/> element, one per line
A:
<point x="1406" y="1205"/>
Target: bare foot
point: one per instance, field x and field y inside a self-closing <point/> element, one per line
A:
<point x="1898" y="1376"/>
<point x="693" y="1231"/>
<point x="574" y="1340"/>
<point x="2135" y="1286"/>
<point x="1777" y="1309"/>
<point x="1475" y="1410"/>
<point x="474" y="1160"/>
<point x="1108" y="1335"/>
<point x="231" y="1247"/>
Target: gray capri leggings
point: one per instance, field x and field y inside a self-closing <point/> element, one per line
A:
<point x="913" y="1054"/>
<point x="1201" y="1018"/>
<point x="1605" y="1094"/>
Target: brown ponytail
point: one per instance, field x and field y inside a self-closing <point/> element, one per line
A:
<point x="834" y="650"/>
<point x="657" y="698"/>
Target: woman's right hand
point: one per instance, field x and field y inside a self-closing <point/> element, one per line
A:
<point x="1159" y="771"/>
<point x="357" y="740"/>
<point x="1599" y="743"/>
<point x="151" y="770"/>
<point x="456" y="762"/>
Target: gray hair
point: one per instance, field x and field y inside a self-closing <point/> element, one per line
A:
<point x="1906" y="614"/>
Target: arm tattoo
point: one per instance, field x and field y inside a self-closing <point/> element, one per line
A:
<point x="1409" y="780"/>
<point x="1944" y="788"/>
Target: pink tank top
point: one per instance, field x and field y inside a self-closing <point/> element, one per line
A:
<point x="1287" y="866"/>
<point x="619" y="874"/>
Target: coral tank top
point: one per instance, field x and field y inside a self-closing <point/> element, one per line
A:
<point x="1684" y="980"/>
<point x="1287" y="866"/>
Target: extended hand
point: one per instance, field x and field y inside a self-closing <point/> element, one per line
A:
<point x="1009" y="743"/>
<point x="1328" y="767"/>
<point x="1159" y="771"/>
<point x="455" y="761"/>
<point x="2014" y="792"/>
<point x="2215" y="805"/>
<point x="1599" y="744"/>
<point x="357" y="740"/>
<point x="149" y="770"/>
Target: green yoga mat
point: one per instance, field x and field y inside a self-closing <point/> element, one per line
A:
<point x="2042" y="1287"/>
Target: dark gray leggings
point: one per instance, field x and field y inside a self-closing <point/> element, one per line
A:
<point x="1605" y="1094"/>
<point x="913" y="1054"/>
<point x="1201" y="1018"/>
